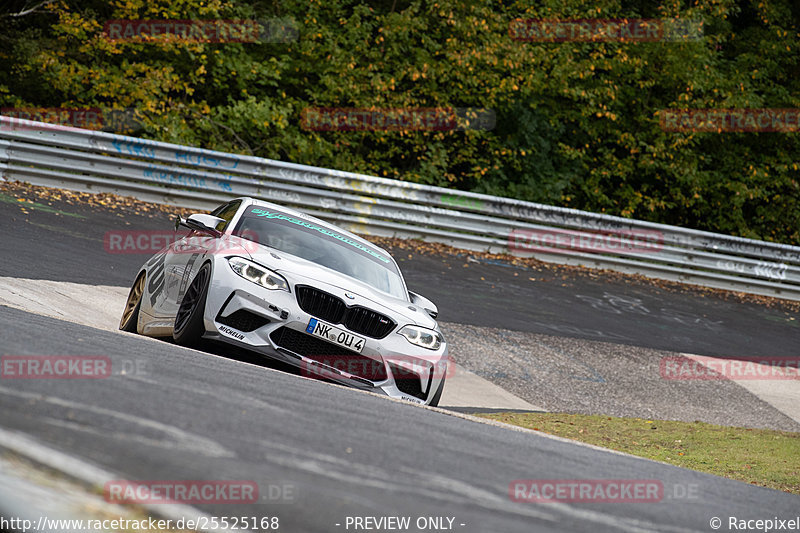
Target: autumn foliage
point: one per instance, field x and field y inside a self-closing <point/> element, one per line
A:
<point x="577" y="122"/>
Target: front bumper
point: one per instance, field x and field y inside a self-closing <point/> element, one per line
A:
<point x="271" y="323"/>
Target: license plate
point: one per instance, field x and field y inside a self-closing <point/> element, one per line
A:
<point x="335" y="335"/>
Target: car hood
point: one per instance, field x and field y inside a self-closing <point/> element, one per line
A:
<point x="302" y="271"/>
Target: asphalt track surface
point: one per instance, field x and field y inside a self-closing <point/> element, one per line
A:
<point x="191" y="415"/>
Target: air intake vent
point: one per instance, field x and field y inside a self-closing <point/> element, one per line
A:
<point x="408" y="382"/>
<point x="243" y="320"/>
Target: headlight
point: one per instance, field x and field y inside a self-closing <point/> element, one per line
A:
<point x="427" y="338"/>
<point x="258" y="274"/>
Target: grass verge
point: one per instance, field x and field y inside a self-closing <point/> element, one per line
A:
<point x="759" y="456"/>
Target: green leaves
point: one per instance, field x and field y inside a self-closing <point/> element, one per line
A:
<point x="577" y="122"/>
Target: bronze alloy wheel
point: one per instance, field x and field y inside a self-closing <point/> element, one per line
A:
<point x="130" y="317"/>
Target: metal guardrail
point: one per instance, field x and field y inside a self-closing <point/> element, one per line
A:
<point x="51" y="155"/>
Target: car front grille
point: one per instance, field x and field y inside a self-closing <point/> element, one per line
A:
<point x="330" y="308"/>
<point x="329" y="354"/>
<point x="322" y="305"/>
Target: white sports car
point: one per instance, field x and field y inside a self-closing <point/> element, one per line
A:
<point x="292" y="287"/>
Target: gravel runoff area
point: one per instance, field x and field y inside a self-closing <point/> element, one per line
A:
<point x="580" y="376"/>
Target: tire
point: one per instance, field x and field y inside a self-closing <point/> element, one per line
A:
<point x="438" y="396"/>
<point x="189" y="326"/>
<point x="130" y="316"/>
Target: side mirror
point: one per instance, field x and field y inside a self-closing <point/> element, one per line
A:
<point x="201" y="222"/>
<point x="424" y="303"/>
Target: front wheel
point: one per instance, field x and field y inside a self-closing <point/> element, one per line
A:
<point x="189" y="326"/>
<point x="130" y="316"/>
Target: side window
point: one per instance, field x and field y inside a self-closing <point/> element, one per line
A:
<point x="227" y="212"/>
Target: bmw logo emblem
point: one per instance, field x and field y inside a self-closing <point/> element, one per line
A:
<point x="350" y="296"/>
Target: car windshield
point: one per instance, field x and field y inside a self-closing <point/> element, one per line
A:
<point x="321" y="245"/>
